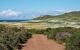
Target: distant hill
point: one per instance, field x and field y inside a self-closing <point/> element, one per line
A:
<point x="70" y="15"/>
<point x="69" y="19"/>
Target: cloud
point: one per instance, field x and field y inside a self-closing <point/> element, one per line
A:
<point x="9" y="13"/>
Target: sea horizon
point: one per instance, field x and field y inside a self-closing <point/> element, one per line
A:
<point x="16" y="20"/>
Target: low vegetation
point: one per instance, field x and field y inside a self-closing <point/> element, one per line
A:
<point x="12" y="37"/>
<point x="73" y="43"/>
<point x="68" y="35"/>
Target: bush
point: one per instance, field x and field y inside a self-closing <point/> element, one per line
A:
<point x="73" y="43"/>
<point x="68" y="35"/>
<point x="11" y="37"/>
<point x="50" y="33"/>
<point x="60" y="33"/>
<point x="3" y="47"/>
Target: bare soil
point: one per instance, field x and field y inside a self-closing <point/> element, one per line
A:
<point x="40" y="42"/>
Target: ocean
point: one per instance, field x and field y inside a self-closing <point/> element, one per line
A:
<point x="14" y="20"/>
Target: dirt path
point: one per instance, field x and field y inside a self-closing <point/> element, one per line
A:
<point x="40" y="42"/>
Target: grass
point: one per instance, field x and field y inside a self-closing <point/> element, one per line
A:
<point x="46" y="24"/>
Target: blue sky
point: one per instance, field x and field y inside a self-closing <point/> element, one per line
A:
<point x="10" y="9"/>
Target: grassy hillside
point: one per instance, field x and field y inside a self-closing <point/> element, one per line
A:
<point x="74" y="14"/>
<point x="70" y="19"/>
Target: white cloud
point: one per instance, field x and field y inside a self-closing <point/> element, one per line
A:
<point x="9" y="13"/>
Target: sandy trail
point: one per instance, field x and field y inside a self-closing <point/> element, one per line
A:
<point x="40" y="42"/>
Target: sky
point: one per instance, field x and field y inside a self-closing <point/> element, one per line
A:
<point x="28" y="9"/>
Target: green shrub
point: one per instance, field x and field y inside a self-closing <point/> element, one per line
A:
<point x="50" y="33"/>
<point x="63" y="32"/>
<point x="3" y="47"/>
<point x="11" y="37"/>
<point x="73" y="43"/>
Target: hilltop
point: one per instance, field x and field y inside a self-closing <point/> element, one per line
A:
<point x="73" y="14"/>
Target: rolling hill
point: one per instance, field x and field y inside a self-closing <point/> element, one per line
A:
<point x="73" y="14"/>
<point x="69" y="19"/>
